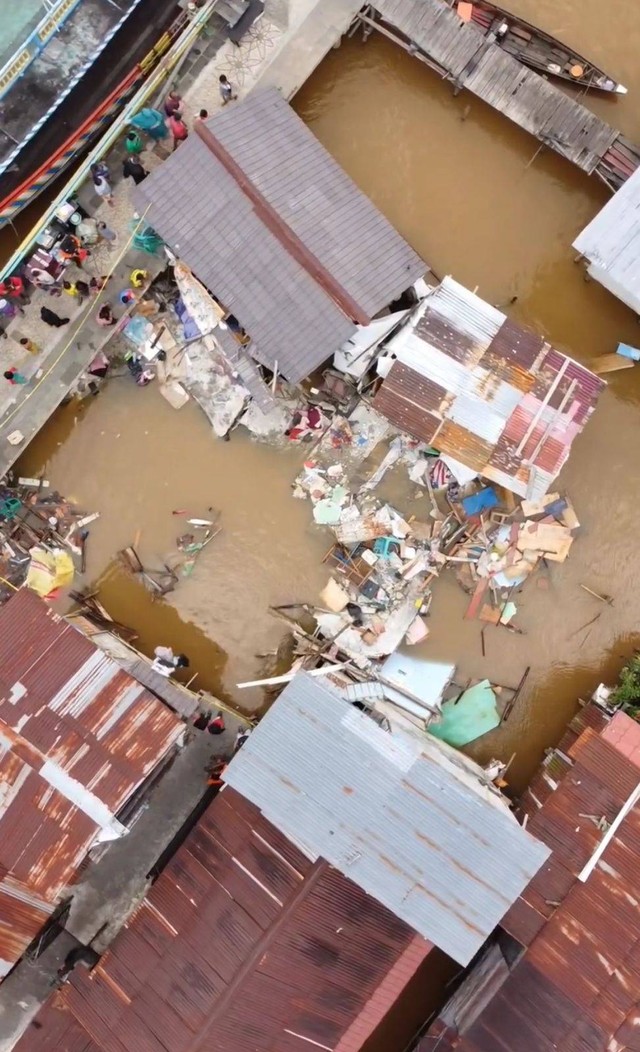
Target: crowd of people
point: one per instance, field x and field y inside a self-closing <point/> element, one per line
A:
<point x="77" y="246"/>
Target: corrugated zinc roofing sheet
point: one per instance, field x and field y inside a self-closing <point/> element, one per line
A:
<point x="394" y="814"/>
<point x="220" y="235"/>
<point x="317" y="199"/>
<point x="216" y="231"/>
<point x="511" y="404"/>
<point x="242" y="944"/>
<point x="77" y="736"/>
<point x="472" y="316"/>
<point x="577" y="988"/>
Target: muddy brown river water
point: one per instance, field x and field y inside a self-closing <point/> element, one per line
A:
<point x="461" y="184"/>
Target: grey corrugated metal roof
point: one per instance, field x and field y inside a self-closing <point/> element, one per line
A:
<point x="318" y="200"/>
<point x="611" y="243"/>
<point x="198" y="209"/>
<point x="401" y="817"/>
<point x="468" y="314"/>
<point x="203" y="215"/>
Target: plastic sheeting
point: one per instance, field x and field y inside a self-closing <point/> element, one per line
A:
<point x="469" y="718"/>
<point x="49" y="570"/>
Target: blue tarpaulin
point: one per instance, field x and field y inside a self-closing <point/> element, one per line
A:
<point x="478" y="502"/>
<point x="627" y="351"/>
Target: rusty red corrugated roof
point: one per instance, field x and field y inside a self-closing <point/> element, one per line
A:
<point x="77" y="736"/>
<point x="242" y="943"/>
<point x="623" y="733"/>
<point x="464" y="446"/>
<point x="513" y="351"/>
<point x="444" y="335"/>
<point x="577" y="987"/>
<point x="410" y="402"/>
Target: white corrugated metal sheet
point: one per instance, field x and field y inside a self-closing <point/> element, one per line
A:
<point x="477" y="416"/>
<point x="425" y="680"/>
<point x="431" y="362"/>
<point x="401" y="817"/>
<point x="611" y="243"/>
<point x="469" y="314"/>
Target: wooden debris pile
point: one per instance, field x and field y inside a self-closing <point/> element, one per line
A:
<point x="39" y="526"/>
<point x="505" y="551"/>
<point x="159" y="580"/>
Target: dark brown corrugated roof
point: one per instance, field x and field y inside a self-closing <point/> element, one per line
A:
<point x="78" y="735"/>
<point x="577" y="988"/>
<point x="410" y="402"/>
<point x="447" y="338"/>
<point x="513" y="351"/>
<point x="242" y="945"/>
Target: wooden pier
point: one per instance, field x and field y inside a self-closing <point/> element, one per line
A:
<point x="459" y="52"/>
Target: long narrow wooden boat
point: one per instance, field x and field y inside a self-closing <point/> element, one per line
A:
<point x="99" y="95"/>
<point x="534" y="48"/>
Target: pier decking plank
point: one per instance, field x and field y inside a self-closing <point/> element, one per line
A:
<point x="501" y="81"/>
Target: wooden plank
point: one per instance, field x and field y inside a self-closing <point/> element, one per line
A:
<point x="500" y="80"/>
<point x="477" y="600"/>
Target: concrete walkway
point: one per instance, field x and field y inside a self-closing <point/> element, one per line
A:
<point x="282" y="48"/>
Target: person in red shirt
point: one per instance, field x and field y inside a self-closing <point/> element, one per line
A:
<point x="178" y="129"/>
<point x="216" y="725"/>
<point x="13" y="288"/>
<point x="17" y="289"/>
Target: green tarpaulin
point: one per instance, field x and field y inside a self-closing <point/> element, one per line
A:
<point x="472" y="715"/>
